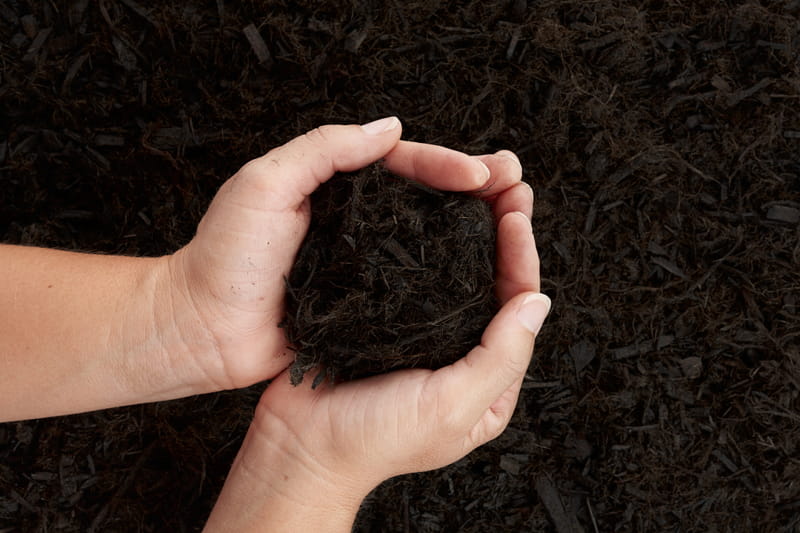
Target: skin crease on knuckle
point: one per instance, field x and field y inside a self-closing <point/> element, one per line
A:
<point x="319" y="136"/>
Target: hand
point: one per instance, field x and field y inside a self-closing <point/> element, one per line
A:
<point x="344" y="440"/>
<point x="230" y="277"/>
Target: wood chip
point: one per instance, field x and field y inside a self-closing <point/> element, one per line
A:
<point x="103" y="139"/>
<point x="400" y="253"/>
<point x="565" y="522"/>
<point x="355" y="40"/>
<point x="29" y="25"/>
<point x="602" y="41"/>
<point x="18" y="40"/>
<point x="141" y="11"/>
<point x="563" y="251"/>
<point x="98" y="158"/>
<point x="710" y="46"/>
<point x="642" y="347"/>
<point x="725" y="460"/>
<point x="738" y="96"/>
<point x="258" y="44"/>
<point x="127" y="58"/>
<point x="76" y="11"/>
<point x="8" y="14"/>
<point x="510" y="465"/>
<point x="582" y="354"/>
<point x="512" y="45"/>
<point x="692" y="367"/>
<point x="783" y="213"/>
<point x="518" y="10"/>
<point x="37" y="44"/>
<point x="73" y="71"/>
<point x="669" y="266"/>
<point x="43" y="476"/>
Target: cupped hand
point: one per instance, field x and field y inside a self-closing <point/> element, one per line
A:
<point x="231" y="275"/>
<point x="360" y="433"/>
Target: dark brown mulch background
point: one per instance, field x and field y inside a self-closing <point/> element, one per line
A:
<point x="662" y="139"/>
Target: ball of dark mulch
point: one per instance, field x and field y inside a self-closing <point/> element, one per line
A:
<point x="391" y="275"/>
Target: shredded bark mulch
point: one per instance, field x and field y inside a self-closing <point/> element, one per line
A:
<point x="661" y="138"/>
<point x="391" y="275"/>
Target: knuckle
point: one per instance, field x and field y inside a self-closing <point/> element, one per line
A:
<point x="319" y="135"/>
<point x="515" y="367"/>
<point x="255" y="174"/>
<point x="495" y="430"/>
<point x="248" y="171"/>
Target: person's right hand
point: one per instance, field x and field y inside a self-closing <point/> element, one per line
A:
<point x="343" y="440"/>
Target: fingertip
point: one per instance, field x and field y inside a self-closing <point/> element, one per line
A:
<point x="485" y="174"/>
<point x="529" y="190"/>
<point x="517" y="268"/>
<point x="510" y="155"/>
<point x="518" y="220"/>
<point x="533" y="311"/>
<point x="520" y="214"/>
<point x="505" y="172"/>
<point x="380" y="126"/>
<point x="436" y="166"/>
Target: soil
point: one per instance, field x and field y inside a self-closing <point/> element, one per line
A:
<point x="391" y="275"/>
<point x="662" y="140"/>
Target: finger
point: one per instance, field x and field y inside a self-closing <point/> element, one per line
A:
<point x="286" y="175"/>
<point x="504" y="406"/>
<point x="496" y="418"/>
<point x="437" y="166"/>
<point x="505" y="170"/>
<point x="501" y="359"/>
<point x="519" y="197"/>
<point x="517" y="268"/>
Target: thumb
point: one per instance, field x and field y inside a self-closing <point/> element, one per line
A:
<point x="291" y="172"/>
<point x="502" y="357"/>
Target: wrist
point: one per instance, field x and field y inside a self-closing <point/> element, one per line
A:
<point x="275" y="485"/>
<point x="189" y="350"/>
<point x="161" y="342"/>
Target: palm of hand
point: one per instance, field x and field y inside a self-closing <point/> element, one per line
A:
<point x="235" y="269"/>
<point x="366" y="431"/>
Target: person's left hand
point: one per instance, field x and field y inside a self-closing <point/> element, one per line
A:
<point x="227" y="285"/>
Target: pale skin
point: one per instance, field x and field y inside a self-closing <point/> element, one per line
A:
<point x="80" y="332"/>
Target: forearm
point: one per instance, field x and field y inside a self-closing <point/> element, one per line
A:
<point x="271" y="489"/>
<point x="80" y="332"/>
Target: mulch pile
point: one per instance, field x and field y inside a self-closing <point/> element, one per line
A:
<point x="391" y="275"/>
<point x="662" y="139"/>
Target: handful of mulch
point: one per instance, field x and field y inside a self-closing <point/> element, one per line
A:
<point x="391" y="275"/>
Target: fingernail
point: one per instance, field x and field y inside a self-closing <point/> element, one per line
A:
<point x="533" y="311"/>
<point x="508" y="154"/>
<point x="530" y="190"/>
<point x="486" y="172"/>
<point x="381" y="125"/>
<point x="523" y="215"/>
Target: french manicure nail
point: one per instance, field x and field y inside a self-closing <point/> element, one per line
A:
<point x="533" y="311"/>
<point x="380" y="126"/>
